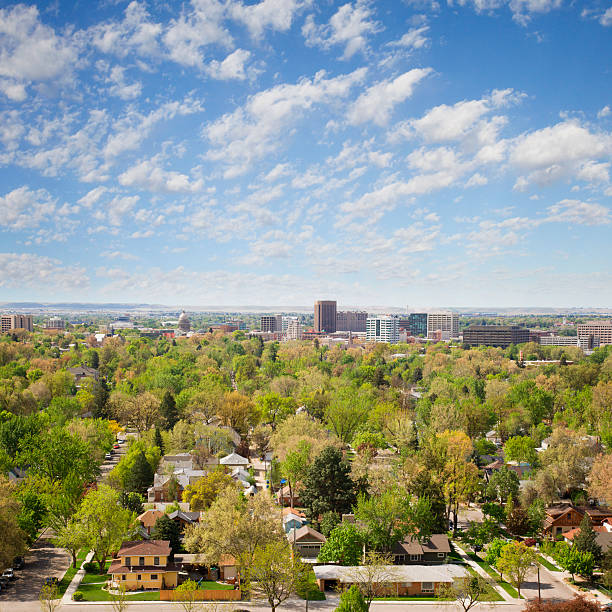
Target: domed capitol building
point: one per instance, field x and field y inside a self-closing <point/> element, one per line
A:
<point x="184" y="324"/>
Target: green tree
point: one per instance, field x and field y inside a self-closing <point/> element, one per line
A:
<point x="157" y="440"/>
<point x="504" y="483"/>
<point x="520" y="448"/>
<point x="168" y="410"/>
<point x="295" y="466"/>
<point x="466" y="591"/>
<point x="132" y="501"/>
<point x="328" y="485"/>
<point x="12" y="538"/>
<point x="167" y="529"/>
<point x="586" y="539"/>
<point x="352" y="600"/>
<point x="515" y="561"/>
<point x="203" y="492"/>
<point x="277" y="572"/>
<point x="344" y="546"/>
<point x="104" y="523"/>
<point x="494" y="551"/>
<point x="140" y="477"/>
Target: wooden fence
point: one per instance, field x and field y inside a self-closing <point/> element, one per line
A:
<point x="200" y="595"/>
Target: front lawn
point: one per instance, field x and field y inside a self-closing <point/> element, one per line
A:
<point x="547" y="564"/>
<point x="212" y="586"/>
<point x="94" y="592"/>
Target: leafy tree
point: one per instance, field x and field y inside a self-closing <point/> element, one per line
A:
<point x="520" y="448"/>
<point x="203" y="492"/>
<point x="516" y="560"/>
<point x="132" y="501"/>
<point x="373" y="577"/>
<point x="167" y="529"/>
<point x="352" y="600"/>
<point x="277" y="572"/>
<point x="71" y="538"/>
<point x="295" y="466"/>
<point x="188" y="596"/>
<point x="103" y="523"/>
<point x="235" y="526"/>
<point x="344" y="545"/>
<point x="168" y="410"/>
<point x="347" y="411"/>
<point x="140" y="477"/>
<point x="494" y="551"/>
<point x="585" y="540"/>
<point x="236" y="410"/>
<point x="328" y="485"/>
<point x="33" y="510"/>
<point x="49" y="598"/>
<point x="504" y="483"/>
<point x="328" y="521"/>
<point x="273" y="408"/>
<point x="466" y="591"/>
<point x="577" y="562"/>
<point x="517" y="520"/>
<point x="12" y="538"/>
<point x="495" y="511"/>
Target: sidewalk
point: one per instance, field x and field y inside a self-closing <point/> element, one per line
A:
<point x="76" y="581"/>
<point x="484" y="574"/>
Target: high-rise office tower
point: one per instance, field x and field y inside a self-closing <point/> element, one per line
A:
<point x="325" y="316"/>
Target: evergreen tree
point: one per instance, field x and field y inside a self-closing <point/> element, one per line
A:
<point x="328" y="485"/>
<point x="167" y="529"/>
<point x="168" y="410"/>
<point x="132" y="501"/>
<point x="100" y="398"/>
<point x="585" y="539"/>
<point x="157" y="440"/>
<point x="140" y="477"/>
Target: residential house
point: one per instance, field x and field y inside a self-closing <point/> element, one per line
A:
<point x="307" y="541"/>
<point x="564" y="517"/>
<point x="170" y="487"/>
<point x="434" y="549"/>
<point x="144" y="565"/>
<point x="81" y="372"/>
<point x="284" y="495"/>
<point x="184" y="519"/>
<point x="147" y="521"/>
<point x="233" y="460"/>
<point x="398" y="580"/>
<point x="293" y="520"/>
<point x="603" y="537"/>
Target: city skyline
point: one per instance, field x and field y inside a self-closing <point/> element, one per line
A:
<point x="275" y="152"/>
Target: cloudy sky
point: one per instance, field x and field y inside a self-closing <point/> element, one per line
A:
<point x="391" y="152"/>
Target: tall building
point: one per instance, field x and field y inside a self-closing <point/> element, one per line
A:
<point x="594" y="334"/>
<point x="184" y="324"/>
<point x="287" y="320"/>
<point x="271" y="323"/>
<point x="495" y="335"/>
<point x="325" y="316"/>
<point x="294" y="330"/>
<point x="415" y="323"/>
<point x="382" y="329"/>
<point x="55" y="323"/>
<point x="16" y="321"/>
<point x="351" y="320"/>
<point x="447" y="323"/>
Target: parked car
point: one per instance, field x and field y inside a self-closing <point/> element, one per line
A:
<point x="115" y="445"/>
<point x="108" y="456"/>
<point x="18" y="562"/>
<point x="9" y="573"/>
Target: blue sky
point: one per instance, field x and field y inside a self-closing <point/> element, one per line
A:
<point x="274" y="152"/>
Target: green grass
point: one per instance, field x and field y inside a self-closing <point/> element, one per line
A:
<point x="94" y="578"/>
<point x="495" y="575"/>
<point x="547" y="564"/>
<point x="212" y="586"/>
<point x="94" y="592"/>
<point x="71" y="571"/>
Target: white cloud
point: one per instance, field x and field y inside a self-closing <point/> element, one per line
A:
<point x="120" y="88"/>
<point x="232" y="67"/>
<point x="413" y="39"/>
<point x="260" y="126"/>
<point x="31" y="52"/>
<point x="606" y="18"/>
<point x="116" y="209"/>
<point x="273" y="14"/>
<point x="23" y="208"/>
<point x="605" y="111"/>
<point x="135" y="34"/>
<point x="148" y="174"/>
<point x="91" y="197"/>
<point x="477" y="180"/>
<point x="29" y="270"/>
<point x="186" y="36"/>
<point x="349" y="27"/>
<point x="522" y="10"/>
<point x="562" y="150"/>
<point x="378" y="101"/>
<point x="580" y="213"/>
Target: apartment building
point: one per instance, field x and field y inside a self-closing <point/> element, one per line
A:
<point x="594" y="334"/>
<point x="442" y="325"/>
<point x="16" y="321"/>
<point x="382" y="329"/>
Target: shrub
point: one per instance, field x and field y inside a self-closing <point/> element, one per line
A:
<point x="90" y="567"/>
<point x="77" y="596"/>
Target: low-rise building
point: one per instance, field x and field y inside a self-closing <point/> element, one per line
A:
<point x="563" y="517"/>
<point x="307" y="541"/>
<point x="144" y="565"/>
<point x="434" y="549"/>
<point x="495" y="335"/>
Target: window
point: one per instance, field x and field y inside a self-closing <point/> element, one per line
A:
<point x="155" y="560"/>
<point x="427" y="587"/>
<point x="128" y="561"/>
<point x="153" y="576"/>
<point x="139" y="577"/>
<point x="141" y="561"/>
<point x="123" y="576"/>
<point x="414" y="557"/>
<point x="441" y="555"/>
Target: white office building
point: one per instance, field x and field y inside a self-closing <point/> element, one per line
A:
<point x="442" y="325"/>
<point x="382" y="329"/>
<point x="294" y="330"/>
